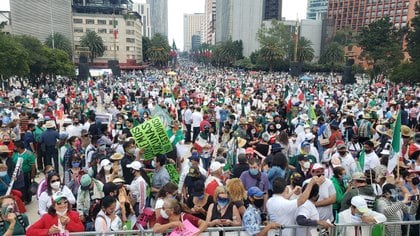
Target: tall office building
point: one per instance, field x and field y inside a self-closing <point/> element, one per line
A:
<point x="210" y="22"/>
<point x="40" y="18"/>
<point x="272" y="9"/>
<point x="159" y="16"/>
<point x="223" y="22"/>
<point x="316" y="9"/>
<point x="193" y="25"/>
<point x="144" y="10"/>
<point x="357" y="14"/>
<point x="126" y="47"/>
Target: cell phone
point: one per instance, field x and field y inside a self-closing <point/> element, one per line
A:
<point x="415" y="198"/>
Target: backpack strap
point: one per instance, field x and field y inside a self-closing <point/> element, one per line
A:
<point x="21" y="221"/>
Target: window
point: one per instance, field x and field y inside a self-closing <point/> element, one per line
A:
<point x="130" y="40"/>
<point x="90" y="21"/>
<point x="78" y="21"/>
<point x="90" y="29"/>
<point x="129" y="32"/>
<point x="111" y="31"/>
<point x="130" y="23"/>
<point x="78" y="30"/>
<point x="129" y="49"/>
<point x="101" y="22"/>
<point x="110" y="22"/>
<point x="102" y="31"/>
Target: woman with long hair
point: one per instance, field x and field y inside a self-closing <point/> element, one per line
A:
<point x="223" y="212"/>
<point x="74" y="148"/>
<point x="138" y="187"/>
<point x="237" y="193"/>
<point x="54" y="185"/>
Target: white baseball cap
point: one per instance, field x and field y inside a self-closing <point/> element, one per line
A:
<point x="215" y="166"/>
<point x="360" y="204"/>
<point x="135" y="165"/>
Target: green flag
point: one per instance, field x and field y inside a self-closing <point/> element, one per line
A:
<point x="311" y="115"/>
<point x="395" y="149"/>
<point x="361" y="160"/>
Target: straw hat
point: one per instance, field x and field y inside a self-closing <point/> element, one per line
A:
<point x="3" y="149"/>
<point x="50" y="124"/>
<point x="116" y="156"/>
<point x="241" y="142"/>
<point x="406" y="131"/>
<point x="382" y="129"/>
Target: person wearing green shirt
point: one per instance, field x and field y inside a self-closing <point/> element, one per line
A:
<point x="38" y="150"/>
<point x="11" y="222"/>
<point x="340" y="188"/>
<point x="28" y="168"/>
<point x="175" y="135"/>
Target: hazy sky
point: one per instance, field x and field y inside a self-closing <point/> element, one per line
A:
<point x="177" y="8"/>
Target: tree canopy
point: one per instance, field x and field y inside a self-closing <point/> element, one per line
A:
<point x="95" y="44"/>
<point x="60" y="42"/>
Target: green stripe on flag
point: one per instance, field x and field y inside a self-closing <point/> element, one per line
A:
<point x="395" y="144"/>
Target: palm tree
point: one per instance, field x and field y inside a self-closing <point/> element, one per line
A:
<point x="305" y="50"/>
<point x="159" y="49"/>
<point x="95" y="44"/>
<point x="332" y="55"/>
<point x="60" y="42"/>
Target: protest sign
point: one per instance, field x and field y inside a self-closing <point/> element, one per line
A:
<point x="151" y="136"/>
<point x="189" y="230"/>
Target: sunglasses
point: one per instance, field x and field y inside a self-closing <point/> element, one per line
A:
<point x="62" y="202"/>
<point x="55" y="180"/>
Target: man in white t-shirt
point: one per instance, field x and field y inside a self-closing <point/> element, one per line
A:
<point x="346" y="159"/>
<point x="327" y="195"/>
<point x="371" y="159"/>
<point x="196" y="118"/>
<point x="280" y="209"/>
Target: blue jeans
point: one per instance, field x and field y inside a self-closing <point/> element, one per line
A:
<point x="205" y="162"/>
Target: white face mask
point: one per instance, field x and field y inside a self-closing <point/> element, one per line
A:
<point x="306" y="165"/>
<point x="62" y="213"/>
<point x="55" y="185"/>
<point x="163" y="214"/>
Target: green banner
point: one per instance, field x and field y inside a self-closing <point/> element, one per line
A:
<point x="173" y="173"/>
<point x="151" y="136"/>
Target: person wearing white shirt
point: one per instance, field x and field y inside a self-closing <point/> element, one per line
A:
<point x="53" y="186"/>
<point x="107" y="220"/>
<point x="371" y="159"/>
<point x="327" y="194"/>
<point x="358" y="213"/>
<point x="307" y="215"/>
<point x="186" y="118"/>
<point x="346" y="159"/>
<point x="75" y="129"/>
<point x="280" y="209"/>
<point x="138" y="187"/>
<point x="196" y="119"/>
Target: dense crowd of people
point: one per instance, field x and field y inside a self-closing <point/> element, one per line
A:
<point x="253" y="149"/>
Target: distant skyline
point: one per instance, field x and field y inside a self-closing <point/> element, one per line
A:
<point x="177" y="8"/>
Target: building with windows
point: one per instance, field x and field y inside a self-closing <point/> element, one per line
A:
<point x="210" y="22"/>
<point x="223" y="22"/>
<point x="316" y="9"/>
<point x="40" y="18"/>
<point x="158" y="16"/>
<point x="144" y="10"/>
<point x="193" y="25"/>
<point x="126" y="47"/>
<point x="5" y="17"/>
<point x="356" y="14"/>
<point x="272" y="9"/>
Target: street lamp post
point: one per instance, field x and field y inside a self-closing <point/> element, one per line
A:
<point x="51" y="24"/>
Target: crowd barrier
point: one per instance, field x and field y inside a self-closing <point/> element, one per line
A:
<point x="336" y="230"/>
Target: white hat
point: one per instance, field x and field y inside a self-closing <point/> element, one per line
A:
<point x="50" y="124"/>
<point x="215" y="166"/>
<point x="360" y="204"/>
<point x="135" y="165"/>
<point x="309" y="136"/>
<point x="104" y="163"/>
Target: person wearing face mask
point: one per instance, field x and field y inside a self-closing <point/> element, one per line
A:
<point x="75" y="129"/>
<point x="74" y="149"/>
<point x="393" y="208"/>
<point x="371" y="159"/>
<point x="11" y="221"/>
<point x="54" y="186"/>
<point x="252" y="217"/>
<point x="223" y="212"/>
<point x="198" y="201"/>
<point x="307" y="214"/>
<point x="327" y="194"/>
<point x="194" y="161"/>
<point x="359" y="213"/>
<point x="358" y="186"/>
<point x="129" y="156"/>
<point x="160" y="174"/>
<point x="107" y="220"/>
<point x="346" y="159"/>
<point x="59" y="219"/>
<point x="172" y="217"/>
<point x="6" y="159"/>
<point x="90" y="192"/>
<point x="138" y="187"/>
<point x="106" y="171"/>
<point x="168" y="191"/>
<point x="4" y="179"/>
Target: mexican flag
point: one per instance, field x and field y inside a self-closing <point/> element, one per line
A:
<point x="395" y="151"/>
<point x="361" y="160"/>
<point x="311" y="115"/>
<point x="115" y="29"/>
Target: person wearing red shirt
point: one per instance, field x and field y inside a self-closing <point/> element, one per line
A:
<point x="172" y="217"/>
<point x="59" y="219"/>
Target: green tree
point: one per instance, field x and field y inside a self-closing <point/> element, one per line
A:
<point x="274" y="41"/>
<point x="345" y="36"/>
<point x="332" y="55"/>
<point x="60" y="42"/>
<point x="58" y="63"/>
<point x="14" y="59"/>
<point x="381" y="46"/>
<point x="145" y="43"/>
<point x="36" y="57"/>
<point x="95" y="44"/>
<point x="413" y="37"/>
<point x="158" y="52"/>
<point x="305" y="50"/>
